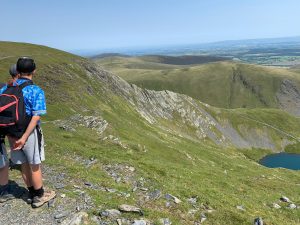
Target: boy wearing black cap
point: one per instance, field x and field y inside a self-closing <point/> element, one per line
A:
<point x="28" y="150"/>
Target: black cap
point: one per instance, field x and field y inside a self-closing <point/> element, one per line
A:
<point x="25" y="65"/>
<point x="13" y="70"/>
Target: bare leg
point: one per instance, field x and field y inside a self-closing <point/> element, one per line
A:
<point x="5" y="194"/>
<point x="41" y="196"/>
<point x="26" y="174"/>
<point x="26" y="169"/>
<point x="36" y="176"/>
<point x="4" y="175"/>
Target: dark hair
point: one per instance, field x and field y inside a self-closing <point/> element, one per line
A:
<point x="13" y="71"/>
<point x="25" y="65"/>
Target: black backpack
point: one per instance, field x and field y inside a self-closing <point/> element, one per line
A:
<point x="13" y="118"/>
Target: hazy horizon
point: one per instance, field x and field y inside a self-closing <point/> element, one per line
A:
<point x="125" y="49"/>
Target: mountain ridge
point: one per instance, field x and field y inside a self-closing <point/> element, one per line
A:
<point x="243" y="85"/>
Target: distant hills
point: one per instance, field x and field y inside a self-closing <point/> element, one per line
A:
<point x="105" y="55"/>
<point x="210" y="47"/>
<point x="226" y="84"/>
<point x="283" y="52"/>
<point x="164" y="59"/>
<point x="251" y="43"/>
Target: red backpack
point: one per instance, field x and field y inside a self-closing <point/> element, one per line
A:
<point x="13" y="118"/>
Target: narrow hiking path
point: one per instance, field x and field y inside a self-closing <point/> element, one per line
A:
<point x="61" y="210"/>
<point x="16" y="56"/>
<point x="6" y="57"/>
<point x="273" y="127"/>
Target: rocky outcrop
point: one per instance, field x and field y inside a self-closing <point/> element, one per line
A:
<point x="288" y="97"/>
<point x="96" y="123"/>
<point x="181" y="110"/>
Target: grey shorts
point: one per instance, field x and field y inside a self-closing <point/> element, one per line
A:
<point x="3" y="156"/>
<point x="33" y="151"/>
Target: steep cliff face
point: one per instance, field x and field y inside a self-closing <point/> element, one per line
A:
<point x="288" y="97"/>
<point x="163" y="108"/>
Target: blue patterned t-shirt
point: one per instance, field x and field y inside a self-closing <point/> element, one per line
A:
<point x="34" y="98"/>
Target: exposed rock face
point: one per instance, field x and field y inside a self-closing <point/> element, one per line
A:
<point x="130" y="208"/>
<point x="94" y="122"/>
<point x="110" y="213"/>
<point x="76" y="220"/>
<point x="288" y="97"/>
<point x="258" y="221"/>
<point x="173" y="198"/>
<point x="167" y="104"/>
<point x="183" y="111"/>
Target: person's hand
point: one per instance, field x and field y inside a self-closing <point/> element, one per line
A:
<point x="19" y="144"/>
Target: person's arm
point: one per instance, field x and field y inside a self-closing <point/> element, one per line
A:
<point x="21" y="142"/>
<point x="38" y="109"/>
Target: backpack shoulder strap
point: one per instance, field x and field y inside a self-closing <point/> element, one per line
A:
<point x="25" y="84"/>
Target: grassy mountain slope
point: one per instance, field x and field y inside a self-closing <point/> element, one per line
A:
<point x="221" y="84"/>
<point x="181" y="60"/>
<point x="166" y="154"/>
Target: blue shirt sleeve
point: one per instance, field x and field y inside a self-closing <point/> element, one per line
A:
<point x="39" y="103"/>
<point x="3" y="89"/>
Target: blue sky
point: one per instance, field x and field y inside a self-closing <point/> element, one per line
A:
<point x="104" y="24"/>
